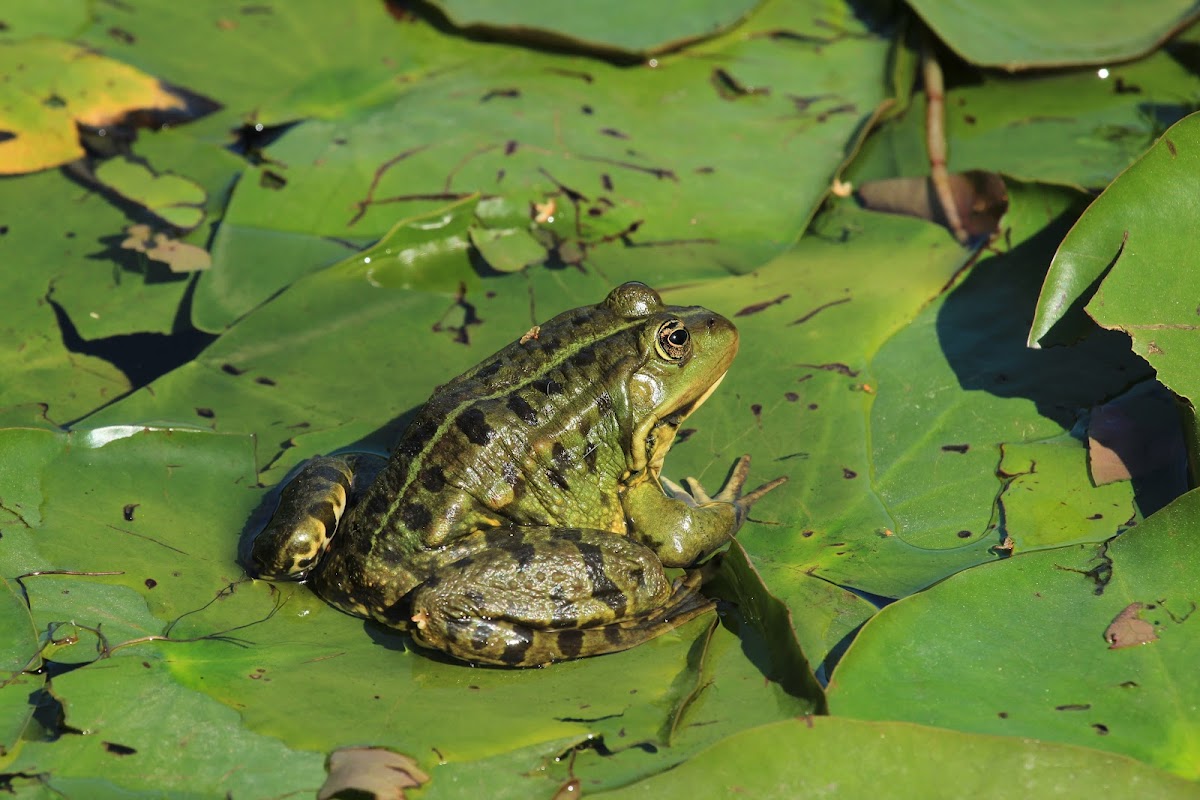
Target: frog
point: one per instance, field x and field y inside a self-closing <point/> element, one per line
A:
<point x="522" y="518"/>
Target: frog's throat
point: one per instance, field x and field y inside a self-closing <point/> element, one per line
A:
<point x="654" y="437"/>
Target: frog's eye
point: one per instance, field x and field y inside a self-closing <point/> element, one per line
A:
<point x="673" y="341"/>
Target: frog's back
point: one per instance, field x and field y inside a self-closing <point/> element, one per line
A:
<point x="530" y="434"/>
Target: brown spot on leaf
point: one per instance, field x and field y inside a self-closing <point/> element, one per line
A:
<point x="1128" y="629"/>
<point x="264" y="380"/>
<point x="119" y="749"/>
<point x="754" y="308"/>
<point x="129" y="509"/>
<point x="271" y="180"/>
<point x="1073" y="707"/>
<point x="1170" y="147"/>
<point x="956" y="448"/>
<point x="818" y="310"/>
<point x="207" y="413"/>
<point x="791" y="397"/>
<point x="840" y="368"/>
<point x="230" y="369"/>
<point x="964" y="534"/>
<point x="494" y="93"/>
<point x="370" y="772"/>
<point x="151" y="583"/>
<point x="848" y="473"/>
<point x="730" y="88"/>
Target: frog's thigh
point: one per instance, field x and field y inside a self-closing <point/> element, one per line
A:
<point x="538" y="594"/>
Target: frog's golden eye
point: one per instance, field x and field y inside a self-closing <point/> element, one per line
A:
<point x="673" y="341"/>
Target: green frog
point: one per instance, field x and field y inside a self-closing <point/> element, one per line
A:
<point x="522" y="518"/>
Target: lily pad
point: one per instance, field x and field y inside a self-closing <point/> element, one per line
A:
<point x="155" y="604"/>
<point x="173" y="199"/>
<point x="1016" y="35"/>
<point x="1077" y="128"/>
<point x="634" y="196"/>
<point x="1125" y="265"/>
<point x="623" y="27"/>
<point x="54" y="86"/>
<point x="814" y="756"/>
<point x="1063" y="681"/>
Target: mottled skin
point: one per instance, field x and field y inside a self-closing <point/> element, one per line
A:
<point x="521" y="519"/>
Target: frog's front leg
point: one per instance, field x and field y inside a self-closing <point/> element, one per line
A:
<point x="688" y="526"/>
<point x="537" y="595"/>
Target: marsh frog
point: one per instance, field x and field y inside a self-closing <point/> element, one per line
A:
<point x="522" y="518"/>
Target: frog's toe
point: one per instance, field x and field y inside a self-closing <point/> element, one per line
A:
<point x="679" y="493"/>
<point x="731" y="492"/>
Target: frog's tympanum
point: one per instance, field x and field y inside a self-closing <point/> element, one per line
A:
<point x="522" y="518"/>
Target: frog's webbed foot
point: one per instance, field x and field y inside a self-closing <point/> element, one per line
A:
<point x="696" y="496"/>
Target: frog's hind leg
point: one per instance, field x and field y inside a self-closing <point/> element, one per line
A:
<point x="686" y="604"/>
<point x="535" y="596"/>
<point x="310" y="507"/>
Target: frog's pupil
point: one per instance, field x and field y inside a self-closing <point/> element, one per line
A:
<point x="678" y="337"/>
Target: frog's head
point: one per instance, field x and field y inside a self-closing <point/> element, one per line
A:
<point x="684" y="353"/>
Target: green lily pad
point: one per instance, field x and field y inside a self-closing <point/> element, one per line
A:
<point x="1077" y="128"/>
<point x="1014" y="35"/>
<point x="816" y="756"/>
<point x="629" y="27"/>
<point x="1125" y="264"/>
<point x="157" y="604"/>
<point x="172" y="198"/>
<point x="1035" y="653"/>
<point x="60" y="18"/>
<point x="133" y="751"/>
<point x="507" y="249"/>
<point x="634" y="196"/>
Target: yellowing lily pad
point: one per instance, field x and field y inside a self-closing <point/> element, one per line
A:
<point x="50" y="87"/>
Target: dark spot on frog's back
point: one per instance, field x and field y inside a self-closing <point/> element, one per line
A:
<point x="376" y="506"/>
<point x="560" y="455"/>
<point x="416" y="437"/>
<point x="415" y="516"/>
<point x="570" y="642"/>
<point x="584" y="358"/>
<point x="519" y="642"/>
<point x="473" y="423"/>
<point x="557" y="478"/>
<point x="522" y="409"/>
<point x="548" y="387"/>
<point x="524" y="553"/>
<point x="488" y="370"/>
<point x="433" y="479"/>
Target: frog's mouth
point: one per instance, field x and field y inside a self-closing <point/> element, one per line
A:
<point x="660" y="433"/>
